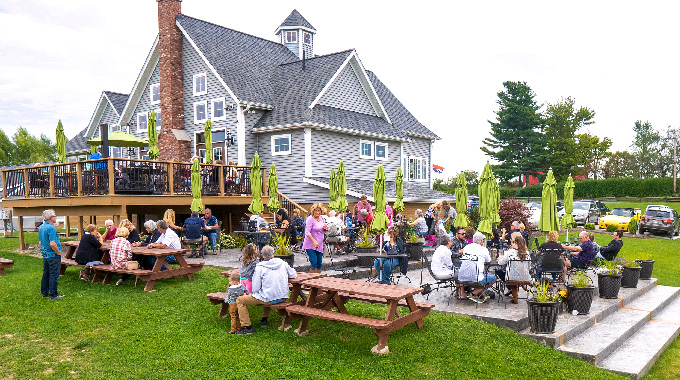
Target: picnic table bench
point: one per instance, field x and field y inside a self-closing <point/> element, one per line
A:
<point x="327" y="293"/>
<point x="187" y="268"/>
<point x="5" y="264"/>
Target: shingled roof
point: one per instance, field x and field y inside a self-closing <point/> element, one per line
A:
<point x="78" y="143"/>
<point x="118" y="100"/>
<point x="295" y="19"/>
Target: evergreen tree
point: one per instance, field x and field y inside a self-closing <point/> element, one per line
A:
<point x="646" y="149"/>
<point x="516" y="140"/>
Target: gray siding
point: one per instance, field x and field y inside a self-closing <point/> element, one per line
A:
<point x="418" y="148"/>
<point x="144" y="105"/>
<point x="308" y="49"/>
<point x="292" y="46"/>
<point x="347" y="93"/>
<point x="329" y="147"/>
<point x="109" y="116"/>
<point x="253" y="140"/>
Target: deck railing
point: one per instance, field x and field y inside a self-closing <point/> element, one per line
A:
<point x="110" y="176"/>
<point x="289" y="205"/>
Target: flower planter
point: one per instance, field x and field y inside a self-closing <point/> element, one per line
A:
<point x="579" y="299"/>
<point x="630" y="277"/>
<point x="647" y="267"/>
<point x="414" y="251"/>
<point x="543" y="316"/>
<point x="609" y="285"/>
<point x="287" y="258"/>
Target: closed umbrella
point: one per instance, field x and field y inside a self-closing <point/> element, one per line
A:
<point x="568" y="219"/>
<point x="332" y="188"/>
<point x="486" y="200"/>
<point x="342" y="187"/>
<point x="379" y="223"/>
<point x="61" y="144"/>
<point x="399" y="187"/>
<point x="273" y="186"/>
<point x="256" y="206"/>
<point x="461" y="219"/>
<point x="549" y="221"/>
<point x="153" y="137"/>
<point x="495" y="201"/>
<point x="207" y="133"/>
<point x="196" y="186"/>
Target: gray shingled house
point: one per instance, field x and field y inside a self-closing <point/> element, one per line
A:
<point x="300" y="111"/>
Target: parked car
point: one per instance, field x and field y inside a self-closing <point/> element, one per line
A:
<point x="660" y="219"/>
<point x="473" y="201"/>
<point x="620" y="217"/>
<point x="535" y="209"/>
<point x="560" y="205"/>
<point x="600" y="206"/>
<point x="584" y="212"/>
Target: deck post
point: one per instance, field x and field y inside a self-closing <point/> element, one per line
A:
<point x="22" y="242"/>
<point x="79" y="175"/>
<point x="112" y="177"/>
<point x="67" y="225"/>
<point x="231" y="229"/>
<point x="4" y="184"/>
<point x="51" y="179"/>
<point x="221" y="179"/>
<point x="171" y="178"/>
<point x="26" y="184"/>
<point x="80" y="227"/>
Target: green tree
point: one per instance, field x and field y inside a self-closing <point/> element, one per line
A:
<point x="566" y="153"/>
<point x="596" y="153"/>
<point x="646" y="149"/>
<point x="516" y="140"/>
<point x="6" y="149"/>
<point x="620" y="164"/>
<point x="449" y="185"/>
<point x="26" y="148"/>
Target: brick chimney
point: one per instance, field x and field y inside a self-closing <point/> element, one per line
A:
<point x="172" y="142"/>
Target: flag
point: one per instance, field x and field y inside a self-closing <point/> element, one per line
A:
<point x="437" y="168"/>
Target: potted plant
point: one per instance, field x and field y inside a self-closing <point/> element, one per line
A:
<point x="366" y="244"/>
<point x="544" y="306"/>
<point x="282" y="250"/>
<point x="647" y="265"/>
<point x="414" y="245"/>
<point x="579" y="293"/>
<point x="631" y="272"/>
<point x="608" y="279"/>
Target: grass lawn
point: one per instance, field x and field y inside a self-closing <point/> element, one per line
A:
<point x="115" y="332"/>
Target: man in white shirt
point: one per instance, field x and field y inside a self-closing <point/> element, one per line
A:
<point x="168" y="239"/>
<point x="441" y="265"/>
<point x="475" y="255"/>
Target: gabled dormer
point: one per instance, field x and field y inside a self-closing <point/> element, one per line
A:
<point x="297" y="34"/>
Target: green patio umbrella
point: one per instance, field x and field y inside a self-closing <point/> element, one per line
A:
<point x="549" y="221"/>
<point x="495" y="201"/>
<point x="461" y="219"/>
<point x="273" y="188"/>
<point x="93" y="148"/>
<point x="256" y="206"/>
<point x="342" y="187"/>
<point x="196" y="187"/>
<point x="399" y="187"/>
<point x="333" y="190"/>
<point x="153" y="137"/>
<point x="120" y="138"/>
<point x="568" y="219"/>
<point x="207" y="133"/>
<point x="379" y="223"/>
<point x="61" y="144"/>
<point x="486" y="200"/>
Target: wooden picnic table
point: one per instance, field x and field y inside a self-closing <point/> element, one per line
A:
<point x="148" y="276"/>
<point x="5" y="264"/>
<point x="327" y="293"/>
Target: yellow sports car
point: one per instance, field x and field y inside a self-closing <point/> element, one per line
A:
<point x="620" y="217"/>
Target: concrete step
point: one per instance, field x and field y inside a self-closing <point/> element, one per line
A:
<point x="600" y="340"/>
<point x="569" y="326"/>
<point x="638" y="354"/>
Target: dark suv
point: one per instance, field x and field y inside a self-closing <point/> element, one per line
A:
<point x="598" y="205"/>
<point x="660" y="219"/>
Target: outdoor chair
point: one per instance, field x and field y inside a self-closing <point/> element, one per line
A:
<point x="194" y="245"/>
<point x="551" y="263"/>
<point x="517" y="275"/>
<point x="442" y="282"/>
<point x="469" y="271"/>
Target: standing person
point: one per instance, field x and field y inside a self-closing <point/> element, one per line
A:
<point x="249" y="261"/>
<point x="362" y="205"/>
<point x="420" y="224"/>
<point x="50" y="248"/>
<point x="285" y="226"/>
<point x="110" y="232"/>
<point x="449" y="212"/>
<point x="395" y="246"/>
<point x="431" y="215"/>
<point x="298" y="223"/>
<point x="314" y="235"/>
<point x="234" y="291"/>
<point x="212" y="227"/>
<point x="390" y="214"/>
<point x="270" y="286"/>
<point x="472" y="269"/>
<point x="168" y="239"/>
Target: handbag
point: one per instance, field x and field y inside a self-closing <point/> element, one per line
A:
<point x="131" y="265"/>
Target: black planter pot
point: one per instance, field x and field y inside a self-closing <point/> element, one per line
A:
<point x="414" y="251"/>
<point x="647" y="267"/>
<point x="579" y="299"/>
<point x="609" y="285"/>
<point x="543" y="316"/>
<point x="288" y="259"/>
<point x="630" y="277"/>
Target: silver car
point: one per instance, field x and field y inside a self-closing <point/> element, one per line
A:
<point x="584" y="212"/>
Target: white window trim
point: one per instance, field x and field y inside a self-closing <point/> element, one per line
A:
<point x="151" y="93"/>
<point x="303" y="38"/>
<point x="193" y="84"/>
<point x="387" y="153"/>
<point x="158" y="126"/>
<point x="361" y="151"/>
<point x="224" y="109"/>
<point x="196" y="120"/>
<point x="146" y="117"/>
<point x="425" y="164"/>
<point x="292" y="33"/>
<point x="290" y="145"/>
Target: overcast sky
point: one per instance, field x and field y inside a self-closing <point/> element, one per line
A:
<point x="444" y="60"/>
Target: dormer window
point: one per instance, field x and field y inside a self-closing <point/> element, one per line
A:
<point x="291" y="36"/>
<point x="200" y="84"/>
<point x="307" y="38"/>
<point x="155" y="93"/>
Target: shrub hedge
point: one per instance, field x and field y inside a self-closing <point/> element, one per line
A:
<point x="597" y="188"/>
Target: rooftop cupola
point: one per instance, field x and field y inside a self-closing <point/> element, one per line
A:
<point x="297" y="34"/>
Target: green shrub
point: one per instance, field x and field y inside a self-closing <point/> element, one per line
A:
<point x="232" y="241"/>
<point x="612" y="227"/>
<point x="589" y="226"/>
<point x="598" y="188"/>
<point x="632" y="226"/>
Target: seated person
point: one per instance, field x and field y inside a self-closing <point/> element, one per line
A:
<point x="169" y="217"/>
<point x="110" y="232"/>
<point x="152" y="234"/>
<point x="231" y="179"/>
<point x="441" y="265"/>
<point x="551" y="245"/>
<point x="395" y="246"/>
<point x="298" y="223"/>
<point x="610" y="251"/>
<point x="193" y="226"/>
<point x="120" y="251"/>
<point x="285" y="226"/>
<point x="584" y="252"/>
<point x="212" y="227"/>
<point x="514" y="227"/>
<point x="133" y="237"/>
<point x="167" y="239"/>
<point x="420" y="224"/>
<point x="475" y="257"/>
<point x="457" y="245"/>
<point x="88" y="249"/>
<point x="335" y="228"/>
<point x="270" y="285"/>
<point x="257" y="223"/>
<point x="518" y="270"/>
